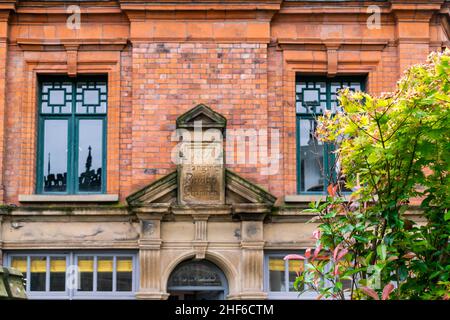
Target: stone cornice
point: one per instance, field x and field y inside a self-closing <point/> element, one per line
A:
<point x="8" y="4"/>
<point x="200" y="5"/>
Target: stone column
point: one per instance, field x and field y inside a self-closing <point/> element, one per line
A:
<point x="252" y="257"/>
<point x="150" y="257"/>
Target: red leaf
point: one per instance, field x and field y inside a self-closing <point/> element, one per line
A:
<point x="294" y="257"/>
<point x="332" y="190"/>
<point x="409" y="255"/>
<point x="370" y="292"/>
<point x="316" y="234"/>
<point x="335" y="252"/>
<point x="336" y="270"/>
<point x="341" y="254"/>
<point x="387" y="291"/>
<point x="308" y="253"/>
<point x="317" y="251"/>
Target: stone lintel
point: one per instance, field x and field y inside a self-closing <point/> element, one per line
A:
<point x="150" y="244"/>
<point x="151" y="295"/>
<point x="251" y="216"/>
<point x="252" y="245"/>
<point x="151" y="211"/>
<point x="202" y="210"/>
<point x="68" y="198"/>
<point x="252" y="208"/>
<point x="250" y="295"/>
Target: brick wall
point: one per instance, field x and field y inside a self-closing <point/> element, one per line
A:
<point x="241" y="64"/>
<point x="171" y="78"/>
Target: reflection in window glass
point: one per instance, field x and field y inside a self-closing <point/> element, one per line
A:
<point x="124" y="273"/>
<point x="20" y="263"/>
<point x="38" y="268"/>
<point x="317" y="167"/>
<point x="96" y="275"/>
<point x="90" y="155"/>
<point x="276" y="274"/>
<point x="104" y="273"/>
<point x="296" y="267"/>
<point x="311" y="157"/>
<point x="55" y="156"/>
<point x="86" y="270"/>
<point x="57" y="273"/>
<point x="71" y="135"/>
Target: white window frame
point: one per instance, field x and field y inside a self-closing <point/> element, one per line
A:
<point x="72" y="259"/>
<point x="284" y="295"/>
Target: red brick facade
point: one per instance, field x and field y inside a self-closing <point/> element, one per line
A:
<point x="162" y="58"/>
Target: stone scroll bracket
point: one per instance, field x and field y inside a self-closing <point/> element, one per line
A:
<point x="72" y="59"/>
<point x="332" y="59"/>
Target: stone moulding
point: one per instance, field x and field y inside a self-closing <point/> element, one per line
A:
<point x="242" y="197"/>
<point x="209" y="118"/>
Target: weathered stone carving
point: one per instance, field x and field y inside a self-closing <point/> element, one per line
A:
<point x="200" y="160"/>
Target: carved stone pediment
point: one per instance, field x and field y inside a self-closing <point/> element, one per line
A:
<point x="203" y="113"/>
<point x="240" y="196"/>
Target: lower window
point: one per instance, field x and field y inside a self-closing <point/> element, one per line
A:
<point x="82" y="275"/>
<point x="280" y="275"/>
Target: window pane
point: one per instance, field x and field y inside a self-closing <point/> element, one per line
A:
<point x="20" y="263"/>
<point x="57" y="274"/>
<point x="296" y="267"/>
<point x="56" y="97"/>
<point x="91" y="97"/>
<point x="276" y="274"/>
<point x="38" y="271"/>
<point x="55" y="155"/>
<point x="124" y="273"/>
<point x="311" y="157"/>
<point x="86" y="270"/>
<point x="104" y="273"/>
<point x="90" y="156"/>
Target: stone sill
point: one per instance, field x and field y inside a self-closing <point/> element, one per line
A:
<point x="304" y="198"/>
<point x="68" y="198"/>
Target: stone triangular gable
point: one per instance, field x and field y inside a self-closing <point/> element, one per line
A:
<point x="164" y="192"/>
<point x="209" y="118"/>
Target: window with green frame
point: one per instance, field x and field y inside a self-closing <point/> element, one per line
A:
<point x="316" y="165"/>
<point x="72" y="135"/>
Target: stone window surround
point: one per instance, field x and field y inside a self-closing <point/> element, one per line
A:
<point x="326" y="59"/>
<point x="47" y="63"/>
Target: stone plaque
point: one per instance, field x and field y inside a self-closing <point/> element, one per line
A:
<point x="202" y="184"/>
<point x="201" y="174"/>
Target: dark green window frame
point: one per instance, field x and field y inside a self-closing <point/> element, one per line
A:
<point x="47" y="111"/>
<point x="323" y="89"/>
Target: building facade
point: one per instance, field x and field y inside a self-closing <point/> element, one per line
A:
<point x="98" y="199"/>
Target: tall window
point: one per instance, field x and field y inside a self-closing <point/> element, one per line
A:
<point x="316" y="165"/>
<point x="77" y="275"/>
<point x="72" y="139"/>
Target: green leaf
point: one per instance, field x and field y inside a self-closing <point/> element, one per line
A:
<point x="382" y="251"/>
<point x="447" y="215"/>
<point x="360" y="238"/>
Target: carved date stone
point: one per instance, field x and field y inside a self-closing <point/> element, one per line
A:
<point x="201" y="171"/>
